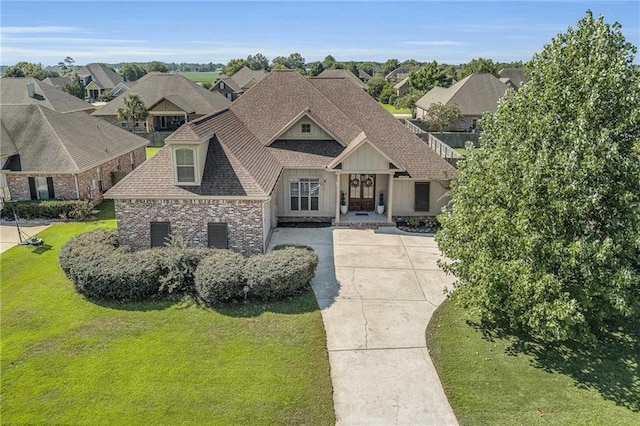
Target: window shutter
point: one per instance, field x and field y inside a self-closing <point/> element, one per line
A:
<point x="422" y="196"/>
<point x="32" y="188"/>
<point x="52" y="193"/>
<point x="159" y="231"/>
<point x="217" y="233"/>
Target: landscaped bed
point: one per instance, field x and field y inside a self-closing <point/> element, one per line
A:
<point x="506" y="381"/>
<point x="67" y="360"/>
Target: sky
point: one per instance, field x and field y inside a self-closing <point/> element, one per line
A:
<point x="451" y="32"/>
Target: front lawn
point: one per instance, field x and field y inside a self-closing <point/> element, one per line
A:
<point x="507" y="381"/>
<point x="152" y="150"/>
<point x="394" y="110"/>
<point x="201" y="76"/>
<point x="66" y="360"/>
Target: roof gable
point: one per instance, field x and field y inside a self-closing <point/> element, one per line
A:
<point x="14" y="92"/>
<point x="244" y="75"/>
<point x="304" y="115"/>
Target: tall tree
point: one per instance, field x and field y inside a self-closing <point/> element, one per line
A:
<point x="233" y="66"/>
<point x="258" y="62"/>
<point x="375" y="85"/>
<point x="479" y="65"/>
<point x="328" y="62"/>
<point x="389" y="66"/>
<point x="428" y="76"/>
<point x="442" y="117"/>
<point x="294" y="61"/>
<point x="351" y="66"/>
<point x="132" y="72"/>
<point x="29" y="69"/>
<point x="133" y="109"/>
<point x="75" y="88"/>
<point x="65" y="64"/>
<point x="315" y="68"/>
<point x="544" y="227"/>
<point x="156" y="66"/>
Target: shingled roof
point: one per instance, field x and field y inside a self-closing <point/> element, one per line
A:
<point x="246" y="133"/>
<point x="62" y="143"/>
<point x="244" y="76"/>
<point x="342" y="74"/>
<point x="516" y="75"/>
<point x="474" y="94"/>
<point x="103" y="76"/>
<point x="153" y="88"/>
<point x="14" y="92"/>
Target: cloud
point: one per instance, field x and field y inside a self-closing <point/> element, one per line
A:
<point x="69" y="40"/>
<point x="436" y="43"/>
<point x="39" y="30"/>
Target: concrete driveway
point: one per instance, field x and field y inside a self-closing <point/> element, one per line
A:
<point x="9" y="234"/>
<point x="377" y="291"/>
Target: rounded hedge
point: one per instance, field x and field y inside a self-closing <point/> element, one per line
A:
<point x="281" y="273"/>
<point x="219" y="277"/>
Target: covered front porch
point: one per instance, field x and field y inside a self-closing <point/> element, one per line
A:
<point x="364" y="198"/>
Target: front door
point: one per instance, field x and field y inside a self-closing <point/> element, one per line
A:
<point x="362" y="192"/>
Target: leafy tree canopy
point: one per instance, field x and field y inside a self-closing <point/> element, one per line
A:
<point x="428" y="76"/>
<point x="544" y="230"/>
<point x="233" y="66"/>
<point x="294" y="61"/>
<point x="75" y="88"/>
<point x="132" y="72"/>
<point x="328" y="62"/>
<point x="28" y="69"/>
<point x="315" y="68"/>
<point x="389" y="66"/>
<point x="156" y="66"/>
<point x="375" y="85"/>
<point x="479" y="65"/>
<point x="258" y="62"/>
<point x="132" y="109"/>
<point x="442" y="117"/>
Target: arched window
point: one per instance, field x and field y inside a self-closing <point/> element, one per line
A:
<point x="185" y="165"/>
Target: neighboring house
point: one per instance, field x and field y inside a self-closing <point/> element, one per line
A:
<point x="97" y="79"/>
<point x="402" y="87"/>
<point x="514" y="77"/>
<point x="364" y="76"/>
<point x="170" y="99"/>
<point x="58" y="82"/>
<point x="338" y="73"/>
<point x="30" y="91"/>
<point x="238" y="83"/>
<point x="45" y="154"/>
<point x="398" y="74"/>
<point x="122" y="87"/>
<point x="474" y="95"/>
<point x="283" y="151"/>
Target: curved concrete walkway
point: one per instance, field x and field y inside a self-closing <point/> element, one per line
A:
<point x="377" y="291"/>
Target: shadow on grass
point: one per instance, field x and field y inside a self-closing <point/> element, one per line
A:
<point x="42" y="249"/>
<point x="610" y="365"/>
<point x="142" y="306"/>
<point x="303" y="303"/>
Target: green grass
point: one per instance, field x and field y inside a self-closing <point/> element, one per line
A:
<point x="152" y="150"/>
<point x="66" y="360"/>
<point x="461" y="151"/>
<point x="493" y="380"/>
<point x="201" y="77"/>
<point x="394" y="110"/>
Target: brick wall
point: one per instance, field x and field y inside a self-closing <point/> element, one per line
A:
<point x="64" y="186"/>
<point x="189" y="219"/>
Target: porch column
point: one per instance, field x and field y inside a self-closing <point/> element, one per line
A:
<point x="337" y="198"/>
<point x="390" y="199"/>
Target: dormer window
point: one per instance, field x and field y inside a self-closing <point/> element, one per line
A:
<point x="185" y="165"/>
<point x="306" y="128"/>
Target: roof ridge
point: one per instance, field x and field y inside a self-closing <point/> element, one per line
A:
<point x="55" y="132"/>
<point x="229" y="153"/>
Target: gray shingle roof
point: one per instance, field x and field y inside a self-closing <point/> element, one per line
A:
<point x="103" y="76"/>
<point x="58" y="81"/>
<point x="152" y="88"/>
<point x="516" y="75"/>
<point x="245" y="133"/>
<point x="398" y="73"/>
<point x="363" y="75"/>
<point x="245" y="75"/>
<point x="474" y="94"/>
<point x="229" y="82"/>
<point x="342" y="74"/>
<point x="401" y="83"/>
<point x="63" y="143"/>
<point x="13" y="91"/>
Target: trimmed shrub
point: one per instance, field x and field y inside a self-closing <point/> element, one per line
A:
<point x="87" y="247"/>
<point x="120" y="276"/>
<point x="179" y="264"/>
<point x="219" y="277"/>
<point x="281" y="273"/>
<point x="48" y="209"/>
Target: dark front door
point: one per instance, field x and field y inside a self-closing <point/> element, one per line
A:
<point x="362" y="192"/>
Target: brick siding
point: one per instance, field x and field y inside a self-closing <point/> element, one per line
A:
<point x="189" y="219"/>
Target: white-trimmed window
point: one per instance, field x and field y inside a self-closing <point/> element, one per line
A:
<point x="221" y="85"/>
<point x="185" y="165"/>
<point x="304" y="194"/>
<point x="305" y="128"/>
